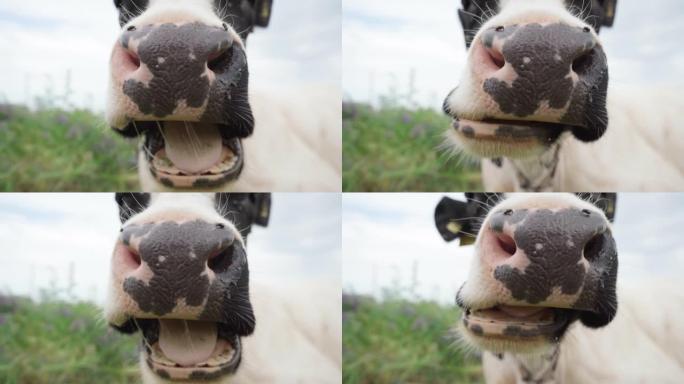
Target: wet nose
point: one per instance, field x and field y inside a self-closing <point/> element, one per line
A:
<point x="160" y="263"/>
<point x="542" y="52"/>
<point x="530" y="251"/>
<point x="160" y="65"/>
<point x="548" y="234"/>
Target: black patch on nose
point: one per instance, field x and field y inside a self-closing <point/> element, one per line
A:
<point x="177" y="255"/>
<point x="177" y="57"/>
<point x="553" y="243"/>
<point x="541" y="56"/>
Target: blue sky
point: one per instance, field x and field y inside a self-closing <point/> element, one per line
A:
<point x="384" y="42"/>
<point x="390" y="239"/>
<point x="43" y="41"/>
<point x="50" y="237"/>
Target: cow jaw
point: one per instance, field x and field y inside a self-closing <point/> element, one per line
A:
<point x="506" y="138"/>
<point x="187" y="155"/>
<point x="504" y="328"/>
<point x="189" y="350"/>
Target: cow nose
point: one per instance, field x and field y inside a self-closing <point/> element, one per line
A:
<point x="540" y="54"/>
<point x="162" y="262"/>
<point x="560" y="240"/>
<point x="159" y="65"/>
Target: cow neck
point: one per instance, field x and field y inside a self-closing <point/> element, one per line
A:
<point x="538" y="368"/>
<point x="537" y="174"/>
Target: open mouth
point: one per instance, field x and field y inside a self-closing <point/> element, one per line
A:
<point x="187" y="349"/>
<point x="191" y="155"/>
<point x="518" y="323"/>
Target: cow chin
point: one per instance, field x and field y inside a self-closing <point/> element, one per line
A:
<point x="504" y="328"/>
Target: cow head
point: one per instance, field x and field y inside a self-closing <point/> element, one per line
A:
<point x="542" y="262"/>
<point x="179" y="275"/>
<point x="179" y="77"/>
<point x="535" y="69"/>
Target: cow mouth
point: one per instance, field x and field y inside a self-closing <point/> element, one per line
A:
<point x="514" y="138"/>
<point x="188" y="349"/>
<point x="192" y="155"/>
<point x="517" y="323"/>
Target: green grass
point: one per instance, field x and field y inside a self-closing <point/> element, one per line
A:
<point x="396" y="149"/>
<point x="59" y="342"/>
<point x="55" y="150"/>
<point x="398" y="341"/>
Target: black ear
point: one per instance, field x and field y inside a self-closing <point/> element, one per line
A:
<point x="262" y="202"/>
<point x="608" y="12"/>
<point x="131" y="204"/>
<point x="449" y="218"/>
<point x="263" y="12"/>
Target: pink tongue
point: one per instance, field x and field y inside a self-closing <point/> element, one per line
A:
<point x="192" y="147"/>
<point x="187" y="342"/>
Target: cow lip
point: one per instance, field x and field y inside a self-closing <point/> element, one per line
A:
<point x="521" y="132"/>
<point x="224" y="360"/>
<point x="163" y="170"/>
<point x="516" y="322"/>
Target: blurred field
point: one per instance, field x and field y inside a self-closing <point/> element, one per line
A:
<point x="50" y="149"/>
<point x="399" y="341"/>
<point x="396" y="149"/>
<point x="58" y="342"/>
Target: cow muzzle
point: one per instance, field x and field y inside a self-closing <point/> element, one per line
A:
<point x="528" y="83"/>
<point x="539" y="270"/>
<point x="185" y="286"/>
<point x="185" y="86"/>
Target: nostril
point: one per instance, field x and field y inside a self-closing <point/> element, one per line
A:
<point x="506" y="243"/>
<point x="586" y="29"/>
<point x="220" y="61"/>
<point x="132" y="259"/>
<point x="582" y="64"/>
<point x="220" y="226"/>
<point x="225" y="27"/>
<point x="131" y="28"/>
<point x="132" y="61"/>
<point x="593" y="248"/>
<point x="497" y="58"/>
<point x="220" y="262"/>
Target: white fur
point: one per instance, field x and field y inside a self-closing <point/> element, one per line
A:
<point x="643" y="344"/>
<point x="640" y="151"/>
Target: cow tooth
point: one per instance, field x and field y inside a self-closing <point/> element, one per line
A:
<point x="214" y="362"/>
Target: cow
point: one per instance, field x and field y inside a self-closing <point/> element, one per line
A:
<point x="534" y="104"/>
<point x="180" y="276"/>
<point x="541" y="298"/>
<point x="179" y="79"/>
